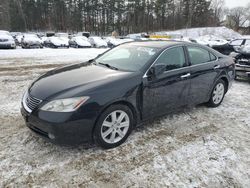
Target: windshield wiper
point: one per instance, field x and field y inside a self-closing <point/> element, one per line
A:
<point x="109" y="66"/>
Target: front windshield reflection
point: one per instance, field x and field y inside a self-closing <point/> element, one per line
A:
<point x="128" y="57"/>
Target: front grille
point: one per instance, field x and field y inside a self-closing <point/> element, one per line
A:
<point x="32" y="102"/>
<point x="244" y="62"/>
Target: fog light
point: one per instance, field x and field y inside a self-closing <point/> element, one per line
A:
<point x="51" y="136"/>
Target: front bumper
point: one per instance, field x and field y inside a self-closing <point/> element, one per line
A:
<point x="61" y="45"/>
<point x="61" y="128"/>
<point x="7" y="45"/>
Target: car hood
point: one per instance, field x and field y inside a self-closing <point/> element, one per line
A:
<point x="245" y="50"/>
<point x="100" y="43"/>
<point x="32" y="40"/>
<point x="6" y="37"/>
<point x="82" y="42"/>
<point x="59" y="41"/>
<point x="73" y="81"/>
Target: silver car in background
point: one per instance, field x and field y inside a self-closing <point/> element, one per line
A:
<point x="6" y="40"/>
<point x="31" y="41"/>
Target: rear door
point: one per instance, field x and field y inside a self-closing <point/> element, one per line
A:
<point x="203" y="71"/>
<point x="170" y="89"/>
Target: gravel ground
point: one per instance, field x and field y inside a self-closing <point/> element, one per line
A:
<point x="198" y="147"/>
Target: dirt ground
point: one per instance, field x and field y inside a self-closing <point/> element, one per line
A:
<point x="199" y="147"/>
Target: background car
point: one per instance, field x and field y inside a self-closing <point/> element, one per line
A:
<point x="6" y="40"/>
<point x="98" y="42"/>
<point x="242" y="62"/>
<point x="63" y="36"/>
<point x="211" y="40"/>
<point x="31" y="41"/>
<point x="79" y="42"/>
<point x="112" y="42"/>
<point x="232" y="46"/>
<point x="56" y="42"/>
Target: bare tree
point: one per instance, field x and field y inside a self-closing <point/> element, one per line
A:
<point x="19" y="4"/>
<point x="4" y="15"/>
<point x="237" y="17"/>
<point x="218" y="8"/>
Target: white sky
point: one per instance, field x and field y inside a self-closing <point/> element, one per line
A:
<point x="236" y="3"/>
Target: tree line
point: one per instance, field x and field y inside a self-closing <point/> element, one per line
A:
<point x="104" y="16"/>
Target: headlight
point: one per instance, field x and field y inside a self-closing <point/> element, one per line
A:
<point x="64" y="105"/>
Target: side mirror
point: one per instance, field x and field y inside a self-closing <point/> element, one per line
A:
<point x="156" y="70"/>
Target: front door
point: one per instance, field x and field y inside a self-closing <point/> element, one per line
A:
<point x="167" y="91"/>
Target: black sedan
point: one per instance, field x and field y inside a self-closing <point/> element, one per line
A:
<point x="104" y="99"/>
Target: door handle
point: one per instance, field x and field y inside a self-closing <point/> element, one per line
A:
<point x="186" y="75"/>
<point x="216" y="66"/>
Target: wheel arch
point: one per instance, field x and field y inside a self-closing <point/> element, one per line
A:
<point x="121" y="102"/>
<point x="225" y="79"/>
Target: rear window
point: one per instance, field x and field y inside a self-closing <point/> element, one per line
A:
<point x="236" y="42"/>
<point x="247" y="43"/>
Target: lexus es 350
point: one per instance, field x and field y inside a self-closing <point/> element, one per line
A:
<point x="102" y="100"/>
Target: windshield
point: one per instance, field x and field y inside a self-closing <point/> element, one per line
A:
<point x="128" y="57"/>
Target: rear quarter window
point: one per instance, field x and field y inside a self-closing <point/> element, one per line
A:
<point x="212" y="57"/>
<point x="198" y="55"/>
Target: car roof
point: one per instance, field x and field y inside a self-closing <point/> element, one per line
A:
<point x="170" y="43"/>
<point x="157" y="44"/>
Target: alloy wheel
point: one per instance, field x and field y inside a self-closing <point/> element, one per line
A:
<point x="218" y="93"/>
<point x="115" y="126"/>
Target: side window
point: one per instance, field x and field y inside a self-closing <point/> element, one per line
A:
<point x="198" y="55"/>
<point x="247" y="43"/>
<point x="173" y="58"/>
<point x="236" y="42"/>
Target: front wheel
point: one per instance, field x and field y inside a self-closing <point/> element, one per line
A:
<point x="218" y="94"/>
<point x="114" y="126"/>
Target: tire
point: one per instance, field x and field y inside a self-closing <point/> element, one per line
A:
<point x="109" y="133"/>
<point x="217" y="94"/>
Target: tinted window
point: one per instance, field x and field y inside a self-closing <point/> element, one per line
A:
<point x="236" y="42"/>
<point x="173" y="58"/>
<point x="198" y="55"/>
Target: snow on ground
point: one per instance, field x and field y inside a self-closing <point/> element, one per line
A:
<point x="198" y="147"/>
<point x="48" y="55"/>
<point x="221" y="32"/>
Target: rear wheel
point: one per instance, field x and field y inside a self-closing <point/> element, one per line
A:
<point x="114" y="126"/>
<point x="218" y="94"/>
